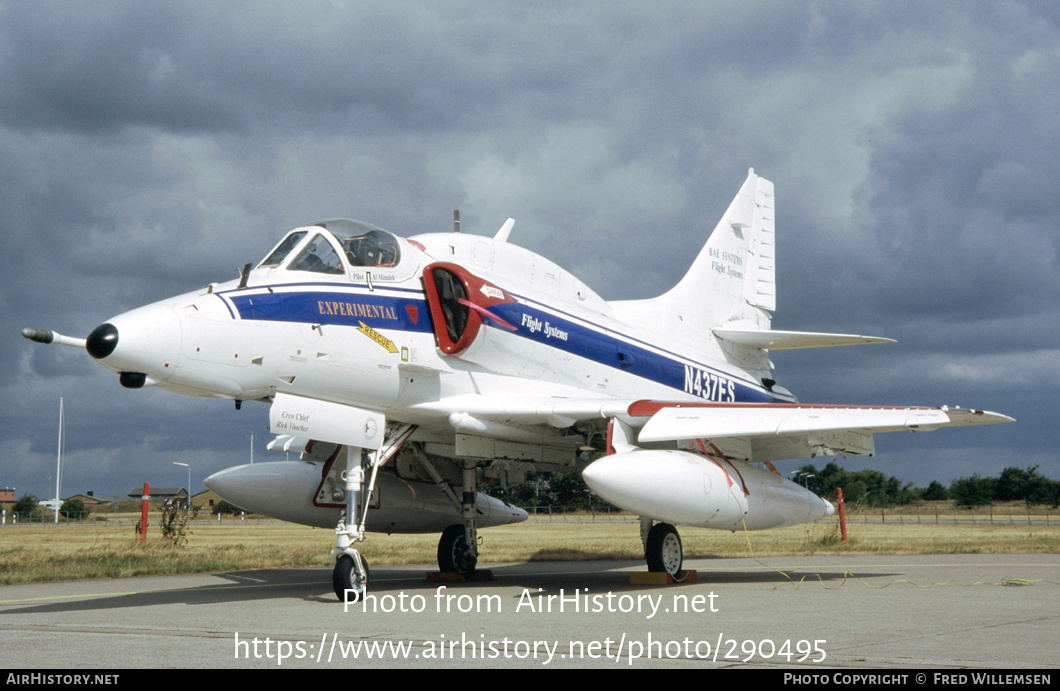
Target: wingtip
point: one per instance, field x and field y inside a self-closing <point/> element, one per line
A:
<point x="969" y="416"/>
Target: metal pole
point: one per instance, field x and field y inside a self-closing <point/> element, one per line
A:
<point x="188" y="466"/>
<point x="59" y="462"/>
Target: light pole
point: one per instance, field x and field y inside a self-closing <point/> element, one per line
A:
<point x="188" y="466"/>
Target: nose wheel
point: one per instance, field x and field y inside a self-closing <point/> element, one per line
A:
<point x="346" y="576"/>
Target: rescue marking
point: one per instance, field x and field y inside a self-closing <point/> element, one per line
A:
<point x="377" y="337"/>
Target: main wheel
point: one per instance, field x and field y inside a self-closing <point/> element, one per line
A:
<point x="454" y="554"/>
<point x="663" y="550"/>
<point x="344" y="577"/>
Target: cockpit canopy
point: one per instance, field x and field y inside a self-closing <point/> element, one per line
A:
<point x="364" y="245"/>
<point x="374" y="248"/>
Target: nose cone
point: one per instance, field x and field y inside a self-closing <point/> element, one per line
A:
<point x="662" y="484"/>
<point x="282" y="489"/>
<point x="102" y="341"/>
<point x="605" y="480"/>
<point x="146" y="340"/>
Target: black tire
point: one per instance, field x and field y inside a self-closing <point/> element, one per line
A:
<point x="663" y="550"/>
<point x="454" y="555"/>
<point x="343" y="577"/>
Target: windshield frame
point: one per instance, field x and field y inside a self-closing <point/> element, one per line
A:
<point x="301" y="233"/>
<point x="312" y="245"/>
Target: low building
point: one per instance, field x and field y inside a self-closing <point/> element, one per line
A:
<point x="159" y="495"/>
<point x="98" y="502"/>
<point x="206" y="500"/>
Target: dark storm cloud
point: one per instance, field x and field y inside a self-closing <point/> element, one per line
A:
<point x="98" y="67"/>
<point x="360" y="67"/>
<point x="148" y="149"/>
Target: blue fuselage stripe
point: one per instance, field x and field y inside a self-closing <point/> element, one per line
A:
<point x="342" y="308"/>
<point x="382" y="311"/>
<point x="595" y="345"/>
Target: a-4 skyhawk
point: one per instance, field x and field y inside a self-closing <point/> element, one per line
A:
<point x="400" y="369"/>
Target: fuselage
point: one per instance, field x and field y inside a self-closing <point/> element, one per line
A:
<point x="348" y="330"/>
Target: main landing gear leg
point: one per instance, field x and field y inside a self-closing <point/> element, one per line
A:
<point x="458" y="548"/>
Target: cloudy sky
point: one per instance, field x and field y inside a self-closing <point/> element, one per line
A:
<point x="147" y="149"/>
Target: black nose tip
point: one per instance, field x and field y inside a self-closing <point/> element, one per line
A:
<point x="102" y="341"/>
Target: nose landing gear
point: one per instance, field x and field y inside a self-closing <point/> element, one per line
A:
<point x="350" y="576"/>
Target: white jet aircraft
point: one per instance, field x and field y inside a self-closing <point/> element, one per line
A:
<point x="400" y="368"/>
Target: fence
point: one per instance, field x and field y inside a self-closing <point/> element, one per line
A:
<point x="935" y="515"/>
<point x="553" y="514"/>
<point x="901" y="514"/>
<point x="549" y="514"/>
<point x="103" y="519"/>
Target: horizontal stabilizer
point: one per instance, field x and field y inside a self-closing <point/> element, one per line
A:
<point x="786" y="340"/>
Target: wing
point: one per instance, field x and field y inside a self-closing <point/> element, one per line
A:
<point x="548" y="430"/>
<point x="747" y="431"/>
<point x="767" y="432"/>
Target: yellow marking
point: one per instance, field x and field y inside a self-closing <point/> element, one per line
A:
<point x="355" y="309"/>
<point x="63" y="597"/>
<point x="377" y="337"/>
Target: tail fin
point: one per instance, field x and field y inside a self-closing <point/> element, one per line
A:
<point x="731" y="282"/>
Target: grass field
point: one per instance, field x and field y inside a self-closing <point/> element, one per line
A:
<point x="38" y="553"/>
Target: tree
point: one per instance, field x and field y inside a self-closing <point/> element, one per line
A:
<point x="854" y="491"/>
<point x="1027" y="485"/>
<point x="570" y="490"/>
<point x="1014" y="483"/>
<point x="829" y="478"/>
<point x="73" y="508"/>
<point x="26" y="506"/>
<point x="973" y="491"/>
<point x="935" y="492"/>
<point x="1044" y="491"/>
<point x="226" y="508"/>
